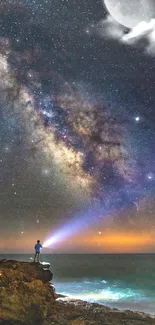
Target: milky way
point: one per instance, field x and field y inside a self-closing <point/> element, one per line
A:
<point x="78" y="135"/>
<point x="67" y="127"/>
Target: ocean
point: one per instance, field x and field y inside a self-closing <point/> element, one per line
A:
<point x="118" y="281"/>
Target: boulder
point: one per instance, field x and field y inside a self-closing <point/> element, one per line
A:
<point x="26" y="295"/>
<point x="24" y="271"/>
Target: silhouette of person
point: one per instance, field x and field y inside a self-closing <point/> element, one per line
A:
<point x="37" y="248"/>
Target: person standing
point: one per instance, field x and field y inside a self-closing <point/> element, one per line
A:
<point x="37" y="248"/>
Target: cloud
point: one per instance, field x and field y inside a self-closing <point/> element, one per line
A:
<point x="110" y="28"/>
<point x="142" y="35"/>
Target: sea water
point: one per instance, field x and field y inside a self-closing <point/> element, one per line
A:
<point x="118" y="281"/>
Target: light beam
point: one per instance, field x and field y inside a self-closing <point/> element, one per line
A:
<point x="73" y="226"/>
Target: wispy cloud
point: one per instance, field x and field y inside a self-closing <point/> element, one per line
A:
<point x="142" y="35"/>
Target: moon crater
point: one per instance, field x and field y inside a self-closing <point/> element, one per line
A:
<point x="130" y="13"/>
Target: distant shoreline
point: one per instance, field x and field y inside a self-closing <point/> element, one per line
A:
<point x="85" y="305"/>
<point x="128" y="308"/>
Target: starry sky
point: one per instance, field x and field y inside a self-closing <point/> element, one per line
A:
<point x="77" y="132"/>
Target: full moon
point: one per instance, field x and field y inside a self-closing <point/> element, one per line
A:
<point x="130" y="13"/>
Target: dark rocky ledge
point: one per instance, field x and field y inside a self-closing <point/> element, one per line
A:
<point x="27" y="297"/>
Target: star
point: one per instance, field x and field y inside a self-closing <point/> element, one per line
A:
<point x="137" y="118"/>
<point x="7" y="149"/>
<point x="77" y="128"/>
<point x="150" y="176"/>
<point x="46" y="172"/>
<point x="87" y="31"/>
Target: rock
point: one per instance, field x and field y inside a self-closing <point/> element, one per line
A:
<point x="23" y="271"/>
<point x="79" y="312"/>
<point x="28" y="298"/>
<point x="25" y="292"/>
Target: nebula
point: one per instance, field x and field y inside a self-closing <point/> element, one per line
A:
<point x="66" y="126"/>
<point x="78" y="135"/>
<point x="77" y="127"/>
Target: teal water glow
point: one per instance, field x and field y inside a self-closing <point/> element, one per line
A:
<point x="122" y="281"/>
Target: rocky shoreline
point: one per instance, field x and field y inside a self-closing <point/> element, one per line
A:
<point x="27" y="297"/>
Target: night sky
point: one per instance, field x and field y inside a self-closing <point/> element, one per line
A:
<point x="77" y="131"/>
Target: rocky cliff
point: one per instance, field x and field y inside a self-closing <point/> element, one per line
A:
<point x="27" y="297"/>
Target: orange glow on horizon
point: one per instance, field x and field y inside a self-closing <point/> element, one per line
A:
<point x="121" y="242"/>
<point x="102" y="242"/>
<point x="116" y="242"/>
